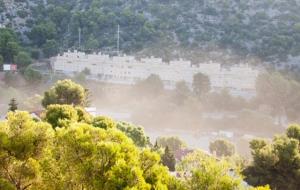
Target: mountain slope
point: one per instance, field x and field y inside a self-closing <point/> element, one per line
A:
<point x="269" y="29"/>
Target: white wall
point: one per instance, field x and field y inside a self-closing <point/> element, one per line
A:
<point x="239" y="79"/>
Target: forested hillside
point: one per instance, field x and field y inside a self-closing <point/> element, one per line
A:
<point x="269" y="29"/>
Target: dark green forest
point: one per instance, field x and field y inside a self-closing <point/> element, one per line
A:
<point x="268" y="29"/>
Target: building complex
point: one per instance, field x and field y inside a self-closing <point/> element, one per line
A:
<point x="239" y="79"/>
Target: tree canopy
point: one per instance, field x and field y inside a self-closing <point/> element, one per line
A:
<point x="276" y="163"/>
<point x="61" y="115"/>
<point x="280" y="93"/>
<point x="173" y="143"/>
<point x="201" y="84"/>
<point x="22" y="59"/>
<point x="65" y="92"/>
<point x="23" y="143"/>
<point x="75" y="156"/>
<point x="9" y="46"/>
<point x="136" y="133"/>
<point x="151" y="85"/>
<point x="207" y="173"/>
<point x="221" y="147"/>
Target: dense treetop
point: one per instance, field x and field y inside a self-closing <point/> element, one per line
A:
<point x="65" y="92"/>
<point x="276" y="163"/>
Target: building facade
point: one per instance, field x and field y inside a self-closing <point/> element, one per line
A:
<point x="239" y="79"/>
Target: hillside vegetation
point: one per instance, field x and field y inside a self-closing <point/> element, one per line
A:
<point x="268" y="29"/>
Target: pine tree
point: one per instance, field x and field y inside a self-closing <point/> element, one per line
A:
<point x="168" y="159"/>
<point x="13" y="106"/>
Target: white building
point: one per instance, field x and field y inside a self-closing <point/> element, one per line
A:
<point x="239" y="79"/>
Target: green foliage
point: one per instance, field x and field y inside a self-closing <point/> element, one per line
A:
<point x="9" y="46"/>
<point x="2" y="6"/>
<point x="23" y="143"/>
<point x="94" y="158"/>
<point x="224" y="101"/>
<point x="182" y="92"/>
<point x="22" y="13"/>
<point x="103" y="122"/>
<point x="222" y="148"/>
<point x="153" y="172"/>
<point x="42" y="32"/>
<point x="32" y="76"/>
<point x="35" y="53"/>
<point x="100" y="161"/>
<point x="13" y="106"/>
<point x="151" y="86"/>
<point x="173" y="143"/>
<point x="276" y="163"/>
<point x="1" y="61"/>
<point x="280" y="93"/>
<point x="80" y="156"/>
<point x="83" y="116"/>
<point x="201" y="85"/>
<point x="92" y="44"/>
<point x="160" y="27"/>
<point x="266" y="187"/>
<point x="171" y="23"/>
<point x="60" y="115"/>
<point x="168" y="159"/>
<point x="65" y="92"/>
<point x="293" y="132"/>
<point x="208" y="173"/>
<point x="4" y="184"/>
<point x="136" y="133"/>
<point x="22" y="59"/>
<point x="50" y="48"/>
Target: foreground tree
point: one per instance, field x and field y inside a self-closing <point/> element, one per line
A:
<point x="205" y="172"/>
<point x="64" y="115"/>
<point x="93" y="158"/>
<point x="65" y="92"/>
<point x="221" y="148"/>
<point x="103" y="122"/>
<point x="60" y="115"/>
<point x="78" y="156"/>
<point x="276" y="163"/>
<point x="23" y="142"/>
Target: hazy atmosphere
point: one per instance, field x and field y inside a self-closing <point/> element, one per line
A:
<point x="154" y="95"/>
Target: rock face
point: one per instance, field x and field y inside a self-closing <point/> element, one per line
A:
<point x="266" y="29"/>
